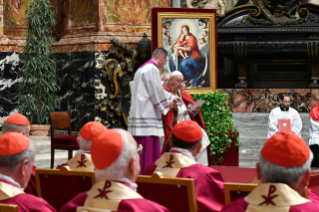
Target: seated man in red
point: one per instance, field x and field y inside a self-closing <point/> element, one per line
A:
<point x="180" y="162"/>
<point x="82" y="159"/>
<point x="17" y="154"/>
<point x="284" y="172"/>
<point x="114" y="155"/>
<point x="19" y="123"/>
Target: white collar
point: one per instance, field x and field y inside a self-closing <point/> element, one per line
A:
<point x="10" y="180"/>
<point x="125" y="180"/>
<point x="184" y="151"/>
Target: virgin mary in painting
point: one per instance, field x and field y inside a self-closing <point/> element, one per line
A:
<point x="187" y="58"/>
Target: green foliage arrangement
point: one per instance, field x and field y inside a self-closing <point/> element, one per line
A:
<point x="37" y="92"/>
<point x="218" y="121"/>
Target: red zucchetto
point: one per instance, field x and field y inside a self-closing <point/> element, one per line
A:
<point x="12" y="143"/>
<point x="18" y="119"/>
<point x="286" y="149"/>
<point x="188" y="131"/>
<point x="106" y="148"/>
<point x="91" y="129"/>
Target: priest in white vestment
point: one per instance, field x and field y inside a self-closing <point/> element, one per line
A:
<point x="148" y="103"/>
<point x="183" y="112"/>
<point x="284" y="112"/>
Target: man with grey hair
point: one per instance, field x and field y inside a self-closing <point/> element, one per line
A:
<point x="82" y="159"/>
<point x="17" y="155"/>
<point x="284" y="172"/>
<point x="148" y="104"/>
<point x="165" y="77"/>
<point x="20" y="123"/>
<point x="116" y="160"/>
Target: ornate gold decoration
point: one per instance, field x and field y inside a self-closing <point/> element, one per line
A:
<point x="119" y="72"/>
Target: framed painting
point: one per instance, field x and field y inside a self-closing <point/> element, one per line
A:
<point x="189" y="37"/>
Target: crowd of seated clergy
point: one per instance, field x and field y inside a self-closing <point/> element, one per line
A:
<point x="113" y="154"/>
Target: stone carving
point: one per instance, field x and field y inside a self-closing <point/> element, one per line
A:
<point x="278" y="13"/>
<point x="219" y="5"/>
<point x="119" y="71"/>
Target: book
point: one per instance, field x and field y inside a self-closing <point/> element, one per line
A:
<point x="284" y="125"/>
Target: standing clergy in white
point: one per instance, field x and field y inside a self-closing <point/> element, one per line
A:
<point x="284" y="112"/>
<point x="148" y="103"/>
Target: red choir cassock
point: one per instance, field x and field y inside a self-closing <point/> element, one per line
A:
<point x="112" y="196"/>
<point x="12" y="194"/>
<point x="272" y="197"/>
<point x="209" y="184"/>
<point x="32" y="185"/>
<point x="170" y="120"/>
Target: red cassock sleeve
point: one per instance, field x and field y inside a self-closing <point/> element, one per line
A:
<point x="239" y="206"/>
<point x="77" y="201"/>
<point x="149" y="169"/>
<point x="32" y="185"/>
<point x="141" y="205"/>
<point x="209" y="187"/>
<point x="63" y="164"/>
<point x="313" y="196"/>
<point x="27" y="203"/>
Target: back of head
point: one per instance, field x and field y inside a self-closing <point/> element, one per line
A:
<point x="16" y="123"/>
<point x="187" y="135"/>
<point x="88" y="132"/>
<point x="159" y="52"/>
<point x="112" y="153"/>
<point x="284" y="158"/>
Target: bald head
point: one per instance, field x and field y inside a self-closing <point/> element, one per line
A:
<point x="8" y="127"/>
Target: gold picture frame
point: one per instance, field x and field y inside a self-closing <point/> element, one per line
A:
<point x="198" y="63"/>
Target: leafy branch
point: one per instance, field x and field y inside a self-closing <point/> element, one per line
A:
<point x="218" y="121"/>
<point x="37" y="93"/>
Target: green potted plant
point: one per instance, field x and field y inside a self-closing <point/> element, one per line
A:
<point x="36" y="94"/>
<point x="219" y="124"/>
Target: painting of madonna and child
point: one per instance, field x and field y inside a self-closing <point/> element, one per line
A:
<point x="188" y="43"/>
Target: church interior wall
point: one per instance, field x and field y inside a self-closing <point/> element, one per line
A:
<point x="82" y="49"/>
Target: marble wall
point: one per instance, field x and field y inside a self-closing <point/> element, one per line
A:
<point x="264" y="100"/>
<point x="9" y="64"/>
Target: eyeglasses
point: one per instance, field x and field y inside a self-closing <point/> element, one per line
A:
<point x="139" y="149"/>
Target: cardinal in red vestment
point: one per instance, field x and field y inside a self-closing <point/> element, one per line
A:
<point x="284" y="173"/>
<point x="114" y="155"/>
<point x="82" y="159"/>
<point x="19" y="123"/>
<point x="17" y="154"/>
<point x="180" y="162"/>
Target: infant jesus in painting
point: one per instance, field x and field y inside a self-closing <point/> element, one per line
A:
<point x="181" y="43"/>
